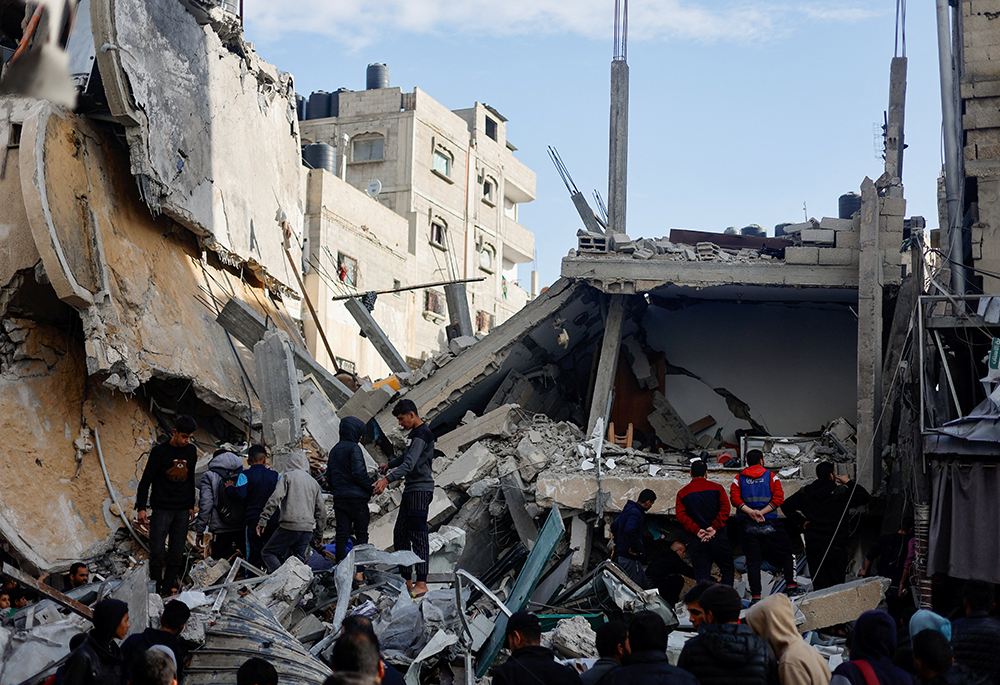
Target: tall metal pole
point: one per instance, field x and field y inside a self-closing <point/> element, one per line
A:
<point x="952" y="179"/>
<point x="618" y="154"/>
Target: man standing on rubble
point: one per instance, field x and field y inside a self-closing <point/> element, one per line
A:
<point x="820" y="509"/>
<point x="302" y="512"/>
<point x="414" y="464"/>
<point x="627" y="530"/>
<point x="170" y="473"/>
<point x="703" y="508"/>
<point x="255" y="486"/>
<point x="757" y="493"/>
<point x="350" y="484"/>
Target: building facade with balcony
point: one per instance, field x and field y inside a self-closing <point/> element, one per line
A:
<point x="454" y="179"/>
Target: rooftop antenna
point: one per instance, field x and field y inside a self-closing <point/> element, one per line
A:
<point x="618" y="153"/>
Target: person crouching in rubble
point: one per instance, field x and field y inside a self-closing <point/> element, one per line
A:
<point x="414" y="464"/>
<point x="169" y="473"/>
<point x="98" y="660"/>
<point x="627" y="529"/>
<point x="224" y="526"/>
<point x="348" y="479"/>
<point x="303" y="514"/>
<point x="529" y="661"/>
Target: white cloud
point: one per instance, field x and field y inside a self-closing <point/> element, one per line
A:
<point x="358" y="23"/>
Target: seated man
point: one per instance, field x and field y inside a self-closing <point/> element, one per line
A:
<point x="529" y="661"/>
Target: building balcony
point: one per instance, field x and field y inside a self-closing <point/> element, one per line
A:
<point x="518" y="242"/>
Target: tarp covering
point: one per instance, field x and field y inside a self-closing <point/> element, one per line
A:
<point x="965" y="520"/>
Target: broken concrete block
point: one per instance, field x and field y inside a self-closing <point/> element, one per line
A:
<point x="574" y="638"/>
<point x="447" y="546"/>
<point x="367" y="402"/>
<point x="470" y="467"/>
<point x="847" y="239"/>
<point x="804" y="226"/>
<point x="481" y="487"/>
<point x="532" y="461"/>
<point x="838" y="256"/>
<point x="640" y="363"/>
<point x="802" y="255"/>
<point x="892" y="206"/>
<point x="690" y="254"/>
<point x="278" y="383"/>
<point x="287" y="584"/>
<point x="620" y="242"/>
<point x="832" y="224"/>
<point x="578" y="542"/>
<point x="643" y="254"/>
<point x="462" y="342"/>
<point x="488" y="425"/>
<point x="840" y="603"/>
<point x="208" y="572"/>
<point x="817" y="236"/>
<point x="668" y="425"/>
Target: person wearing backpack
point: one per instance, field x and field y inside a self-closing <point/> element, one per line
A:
<point x="223" y="516"/>
<point x="254" y="487"/>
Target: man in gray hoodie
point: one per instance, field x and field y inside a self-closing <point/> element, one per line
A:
<point x="303" y="514"/>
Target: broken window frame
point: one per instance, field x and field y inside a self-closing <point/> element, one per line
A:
<point x="434" y="302"/>
<point x="490" y="191"/>
<point x="487" y="259"/>
<point x="492" y="129"/>
<point x="439" y="233"/>
<point x="485" y="322"/>
<point x="346" y="365"/>
<point x="442" y="162"/>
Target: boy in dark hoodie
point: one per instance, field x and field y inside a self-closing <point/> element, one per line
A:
<point x="98" y="661"/>
<point x="348" y="479"/>
<point x="627" y="529"/>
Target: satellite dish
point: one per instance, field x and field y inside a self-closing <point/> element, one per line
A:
<point x="374" y="188"/>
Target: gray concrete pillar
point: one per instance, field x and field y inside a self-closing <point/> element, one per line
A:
<point x="894" y="125"/>
<point x="618" y="158"/>
<point x="608" y="362"/>
<point x="458" y="308"/>
<point x="869" y="457"/>
<point x="376" y="336"/>
<point x="278" y="389"/>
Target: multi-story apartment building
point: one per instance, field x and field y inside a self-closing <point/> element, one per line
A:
<point x="452" y="176"/>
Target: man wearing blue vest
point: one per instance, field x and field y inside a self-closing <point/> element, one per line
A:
<point x="757" y="493"/>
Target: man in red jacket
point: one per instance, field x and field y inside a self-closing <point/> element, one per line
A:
<point x="757" y="493"/>
<point x="703" y="508"/>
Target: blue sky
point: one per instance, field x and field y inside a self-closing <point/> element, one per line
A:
<point x="740" y="112"/>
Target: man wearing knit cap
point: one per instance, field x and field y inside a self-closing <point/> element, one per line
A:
<point x="725" y="652"/>
<point x="529" y="662"/>
<point x="98" y="660"/>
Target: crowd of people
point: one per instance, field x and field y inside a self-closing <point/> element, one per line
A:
<point x="705" y="510"/>
<point x="267" y="517"/>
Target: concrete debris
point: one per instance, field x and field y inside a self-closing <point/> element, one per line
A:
<point x="574" y="638"/>
<point x="468" y="468"/>
<point x="840" y="603"/>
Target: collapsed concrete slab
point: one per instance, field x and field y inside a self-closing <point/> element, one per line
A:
<point x="470" y="467"/>
<point x="840" y="603"/>
<point x="579" y="491"/>
<point x="490" y="424"/>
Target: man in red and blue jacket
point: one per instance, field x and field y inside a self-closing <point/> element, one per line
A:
<point x="757" y="493"/>
<point x="703" y="508"/>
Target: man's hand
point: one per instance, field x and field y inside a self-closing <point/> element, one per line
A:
<point x="757" y="515"/>
<point x="260" y="530"/>
<point x="383" y="468"/>
<point x="141" y="517"/>
<point x="844" y="480"/>
<point x="862" y="573"/>
<point x="191" y="515"/>
<point x="229" y="483"/>
<point x="380" y="485"/>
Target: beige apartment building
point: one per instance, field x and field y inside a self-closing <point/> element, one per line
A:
<point x="453" y="188"/>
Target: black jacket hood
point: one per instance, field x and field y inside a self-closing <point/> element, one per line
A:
<point x="352" y="429"/>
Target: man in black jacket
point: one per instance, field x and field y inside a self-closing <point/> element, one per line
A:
<point x="725" y="652"/>
<point x="647" y="662"/>
<point x="612" y="646"/>
<point x="172" y="622"/>
<point x="350" y="484"/>
<point x="170" y="473"/>
<point x="628" y="529"/>
<point x="529" y="662"/>
<point x="98" y="661"/>
<point x="975" y="639"/>
<point x="820" y="509"/>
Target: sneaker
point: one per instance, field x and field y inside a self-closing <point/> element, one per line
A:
<point x="794" y="591"/>
<point x="754" y="600"/>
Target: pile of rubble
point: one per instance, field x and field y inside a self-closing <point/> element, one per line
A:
<point x="664" y="250"/>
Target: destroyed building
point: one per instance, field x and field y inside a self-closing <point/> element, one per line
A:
<point x="150" y="271"/>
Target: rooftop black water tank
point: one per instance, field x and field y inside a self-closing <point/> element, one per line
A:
<point x="849" y="203"/>
<point x="378" y="76"/>
<point x="754" y="230"/>
<point x="300" y="107"/>
<point x="320" y="156"/>
<point x="319" y="105"/>
<point x="335" y="101"/>
<point x="779" y="230"/>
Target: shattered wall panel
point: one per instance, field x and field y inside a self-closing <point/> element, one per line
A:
<point x="795" y="366"/>
<point x="211" y="127"/>
<point x="51" y="513"/>
<point x="153" y="316"/>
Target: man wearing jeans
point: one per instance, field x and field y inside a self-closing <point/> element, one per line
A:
<point x="169" y="473"/>
<point x="703" y="508"/>
<point x="757" y="493"/>
<point x="414" y="464"/>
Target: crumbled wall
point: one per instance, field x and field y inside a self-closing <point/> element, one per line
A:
<point x="212" y="131"/>
<point x="54" y="510"/>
